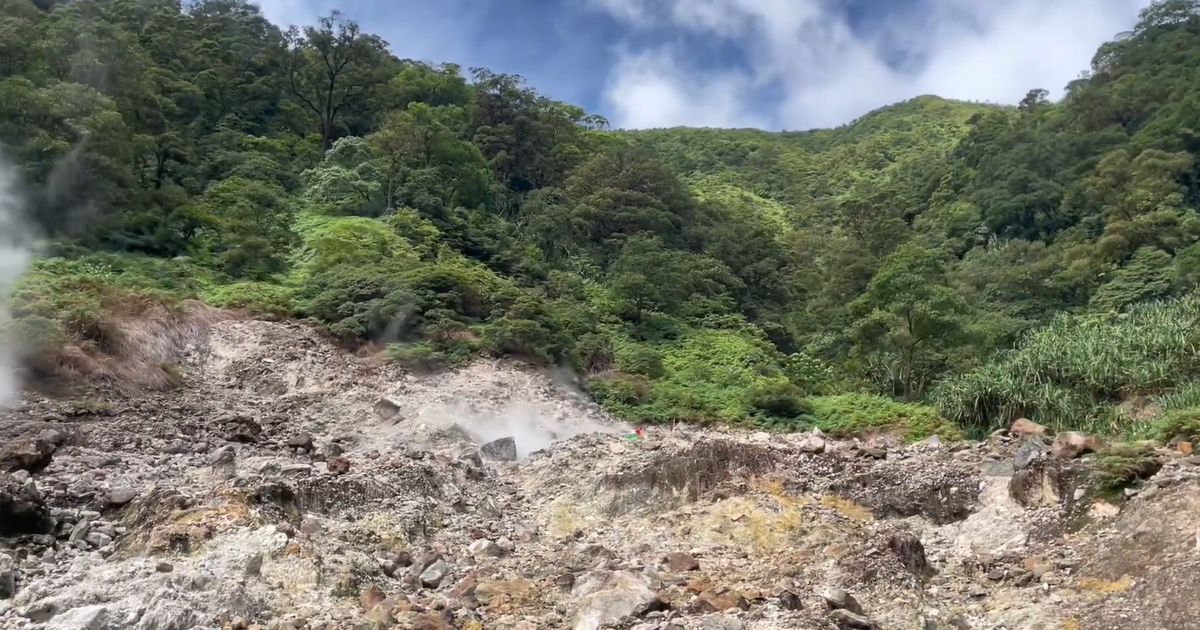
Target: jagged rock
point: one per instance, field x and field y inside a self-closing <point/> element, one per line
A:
<point x="504" y="450"/>
<point x="387" y="410"/>
<point x="720" y="600"/>
<point x="29" y="454"/>
<point x="80" y="531"/>
<point x="300" y="440"/>
<point x="911" y="552"/>
<point x="222" y="456"/>
<point x="485" y="548"/>
<point x="1072" y="444"/>
<point x="1030" y="450"/>
<point x="811" y="443"/>
<point x="83" y="618"/>
<point x="8" y="576"/>
<point x="850" y="620"/>
<point x="788" y="596"/>
<point x="254" y="565"/>
<point x="240" y="428"/>
<point x="839" y="599"/>
<point x="606" y="597"/>
<point x="21" y="508"/>
<point x="433" y="575"/>
<point x="679" y="562"/>
<point x="1024" y="427"/>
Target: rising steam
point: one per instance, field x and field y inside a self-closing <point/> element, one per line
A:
<point x="14" y="255"/>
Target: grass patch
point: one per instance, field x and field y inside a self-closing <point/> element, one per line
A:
<point x="262" y="299"/>
<point x="1124" y="465"/>
<point x="851" y="414"/>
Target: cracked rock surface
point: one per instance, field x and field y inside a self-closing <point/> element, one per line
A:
<point x="289" y="484"/>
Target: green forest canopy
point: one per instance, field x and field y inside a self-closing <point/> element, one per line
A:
<point x="973" y="257"/>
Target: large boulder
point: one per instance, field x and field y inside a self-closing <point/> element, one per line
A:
<point x="31" y="454"/>
<point x="1024" y="427"/>
<point x="21" y="508"/>
<point x="1072" y="444"/>
<point x="504" y="450"/>
<point x="606" y="597"/>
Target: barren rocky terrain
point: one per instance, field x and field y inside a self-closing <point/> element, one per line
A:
<point x="285" y="483"/>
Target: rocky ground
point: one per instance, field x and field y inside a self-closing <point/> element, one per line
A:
<point x="288" y="484"/>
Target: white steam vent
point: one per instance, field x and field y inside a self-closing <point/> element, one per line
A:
<point x="14" y="256"/>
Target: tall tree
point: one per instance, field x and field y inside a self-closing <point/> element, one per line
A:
<point x="334" y="67"/>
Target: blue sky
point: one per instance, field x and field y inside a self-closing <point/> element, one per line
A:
<point x="774" y="64"/>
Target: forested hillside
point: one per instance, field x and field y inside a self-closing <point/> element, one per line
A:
<point x="981" y="260"/>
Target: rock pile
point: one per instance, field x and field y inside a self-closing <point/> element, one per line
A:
<point x="291" y="485"/>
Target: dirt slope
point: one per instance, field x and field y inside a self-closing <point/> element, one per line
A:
<point x="288" y="484"/>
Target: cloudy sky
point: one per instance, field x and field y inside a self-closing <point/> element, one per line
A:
<point x="774" y="64"/>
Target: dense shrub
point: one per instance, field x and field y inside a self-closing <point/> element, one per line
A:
<point x="1074" y="368"/>
<point x="850" y="414"/>
<point x="263" y="299"/>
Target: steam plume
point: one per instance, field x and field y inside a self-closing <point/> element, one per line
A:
<point x="14" y="255"/>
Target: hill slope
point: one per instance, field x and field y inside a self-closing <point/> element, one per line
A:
<point x="177" y="153"/>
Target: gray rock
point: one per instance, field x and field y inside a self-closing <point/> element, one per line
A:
<point x="1030" y="450"/>
<point x="504" y="450"/>
<point x="433" y="575"/>
<point x="387" y="410"/>
<point x="812" y="443"/>
<point x="223" y="456"/>
<point x="254" y="565"/>
<point x="301" y="440"/>
<point x="722" y="622"/>
<point x="30" y="454"/>
<point x="484" y="548"/>
<point x="120" y="495"/>
<point x="606" y="597"/>
<point x="80" y="531"/>
<point x="8" y="576"/>
<point x="97" y="539"/>
<point x="839" y="599"/>
<point x="83" y="618"/>
<point x="295" y="469"/>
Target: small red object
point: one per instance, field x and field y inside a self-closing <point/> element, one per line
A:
<point x="641" y="432"/>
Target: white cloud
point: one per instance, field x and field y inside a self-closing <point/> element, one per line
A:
<point x="824" y="73"/>
<point x="287" y="13"/>
<point x="655" y="92"/>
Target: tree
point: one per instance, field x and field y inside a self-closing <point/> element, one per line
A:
<point x="1034" y="99"/>
<point x="334" y="67"/>
<point x="907" y="319"/>
<point x="252" y="227"/>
